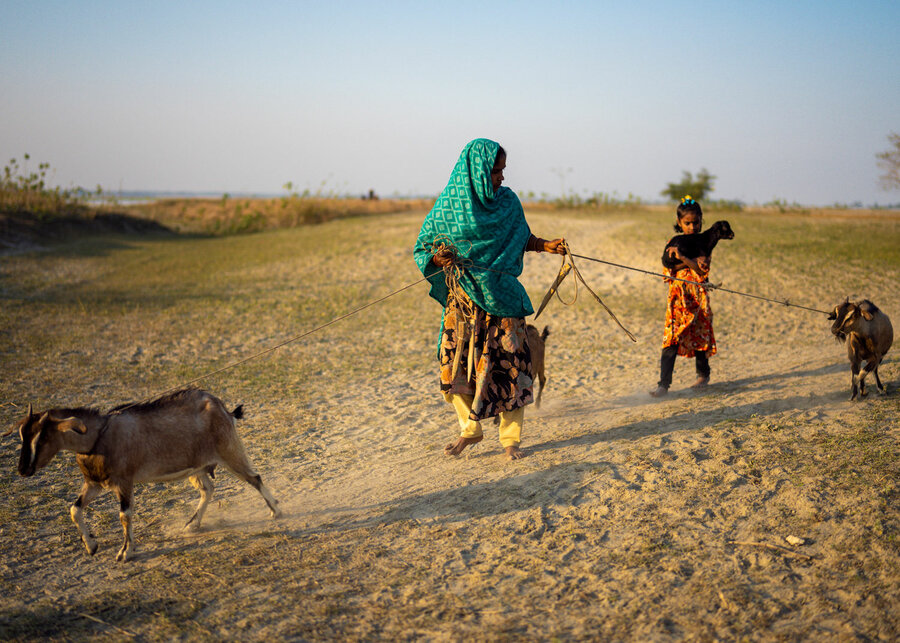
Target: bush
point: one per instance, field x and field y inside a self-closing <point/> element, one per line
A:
<point x="23" y="192"/>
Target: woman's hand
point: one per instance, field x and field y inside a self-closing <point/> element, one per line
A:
<point x="557" y="246"/>
<point x="442" y="258"/>
<point x="675" y="253"/>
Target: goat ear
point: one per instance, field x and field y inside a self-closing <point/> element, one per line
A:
<point x="832" y="315"/>
<point x="71" y="424"/>
<point x="867" y="315"/>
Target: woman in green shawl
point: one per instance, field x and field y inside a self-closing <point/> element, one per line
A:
<point x="470" y="247"/>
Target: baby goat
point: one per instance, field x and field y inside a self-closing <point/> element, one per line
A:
<point x="869" y="335"/>
<point x="537" y="343"/>
<point x="182" y="435"/>
<point x="697" y="245"/>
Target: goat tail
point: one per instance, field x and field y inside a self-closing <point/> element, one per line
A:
<point x="545" y="333"/>
<point x="238" y="412"/>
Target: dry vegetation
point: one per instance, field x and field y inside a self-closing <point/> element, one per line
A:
<point x="630" y="519"/>
<point x="239" y="215"/>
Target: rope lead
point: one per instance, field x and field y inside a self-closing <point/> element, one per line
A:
<point x="706" y="285"/>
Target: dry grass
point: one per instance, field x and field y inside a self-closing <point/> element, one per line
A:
<point x="240" y="215"/>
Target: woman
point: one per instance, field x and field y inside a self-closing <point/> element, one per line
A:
<point x="470" y="247"/>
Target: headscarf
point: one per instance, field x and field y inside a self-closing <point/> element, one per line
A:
<point x="488" y="229"/>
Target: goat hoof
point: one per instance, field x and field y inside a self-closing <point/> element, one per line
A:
<point x="124" y="555"/>
<point x="276" y="513"/>
<point x="91" y="548"/>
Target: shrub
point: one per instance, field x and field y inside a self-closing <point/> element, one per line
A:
<point x="24" y="192"/>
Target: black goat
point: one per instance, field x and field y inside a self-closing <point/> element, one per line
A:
<point x="696" y="245"/>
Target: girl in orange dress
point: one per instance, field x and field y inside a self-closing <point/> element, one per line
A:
<point x="689" y="330"/>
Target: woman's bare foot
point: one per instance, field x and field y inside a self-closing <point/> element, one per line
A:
<point x="514" y="453"/>
<point x="455" y="448"/>
<point x="659" y="392"/>
<point x="701" y="382"/>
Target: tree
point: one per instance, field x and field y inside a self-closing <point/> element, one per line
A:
<point x="889" y="161"/>
<point x="698" y="187"/>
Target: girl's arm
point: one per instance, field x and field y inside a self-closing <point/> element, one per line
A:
<point x="700" y="265"/>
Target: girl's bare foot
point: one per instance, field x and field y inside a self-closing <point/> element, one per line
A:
<point x="659" y="392"/>
<point x="514" y="453"/>
<point x="701" y="382"/>
<point x="455" y="448"/>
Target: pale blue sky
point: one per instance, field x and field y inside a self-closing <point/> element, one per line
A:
<point x="786" y="100"/>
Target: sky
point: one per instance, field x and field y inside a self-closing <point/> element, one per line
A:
<point x="786" y="101"/>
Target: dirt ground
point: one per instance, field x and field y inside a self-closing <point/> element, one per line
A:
<point x="631" y="518"/>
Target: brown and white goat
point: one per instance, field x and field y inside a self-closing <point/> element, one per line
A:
<point x="869" y="335"/>
<point x="537" y="344"/>
<point x="182" y="435"/>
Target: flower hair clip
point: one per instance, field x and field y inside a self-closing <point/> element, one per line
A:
<point x="687" y="200"/>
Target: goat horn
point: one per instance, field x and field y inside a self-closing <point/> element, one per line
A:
<point x="30" y="410"/>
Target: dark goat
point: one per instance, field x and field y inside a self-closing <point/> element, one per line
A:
<point x="182" y="435"/>
<point x="697" y="245"/>
<point x="869" y="335"/>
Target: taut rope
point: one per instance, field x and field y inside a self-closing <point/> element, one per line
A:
<point x="706" y="285"/>
<point x="277" y="346"/>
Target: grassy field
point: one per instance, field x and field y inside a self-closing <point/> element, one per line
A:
<point x="616" y="527"/>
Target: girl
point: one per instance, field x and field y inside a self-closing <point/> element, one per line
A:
<point x="477" y="230"/>
<point x="689" y="330"/>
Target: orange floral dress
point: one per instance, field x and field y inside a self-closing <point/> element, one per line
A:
<point x="689" y="316"/>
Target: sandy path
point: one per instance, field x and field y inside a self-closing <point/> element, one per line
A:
<point x="617" y="525"/>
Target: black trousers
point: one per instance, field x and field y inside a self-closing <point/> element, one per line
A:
<point x="667" y="365"/>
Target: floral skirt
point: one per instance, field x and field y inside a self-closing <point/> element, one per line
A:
<point x="689" y="317"/>
<point x="501" y="377"/>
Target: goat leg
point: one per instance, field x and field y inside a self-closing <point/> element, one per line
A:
<point x="878" y="381"/>
<point x="871" y="365"/>
<point x="204" y="485"/>
<point x="125" y="494"/>
<point x="76" y="511"/>
<point x="854" y="373"/>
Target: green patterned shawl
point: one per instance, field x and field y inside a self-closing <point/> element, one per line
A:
<point x="488" y="229"/>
